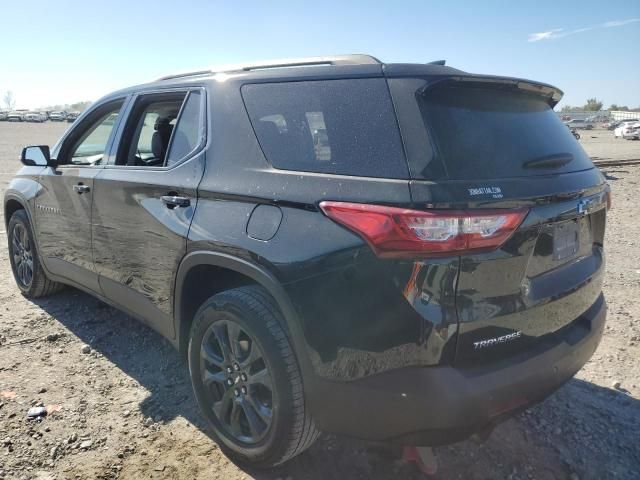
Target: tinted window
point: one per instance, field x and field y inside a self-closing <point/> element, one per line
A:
<point x="488" y="133"/>
<point x="345" y="127"/>
<point x="188" y="131"/>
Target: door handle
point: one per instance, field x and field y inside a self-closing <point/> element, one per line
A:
<point x="172" y="201"/>
<point x="81" y="188"/>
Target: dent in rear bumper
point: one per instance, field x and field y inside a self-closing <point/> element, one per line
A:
<point x="439" y="405"/>
<point x="375" y="316"/>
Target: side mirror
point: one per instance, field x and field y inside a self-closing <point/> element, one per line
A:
<point x="36" y="156"/>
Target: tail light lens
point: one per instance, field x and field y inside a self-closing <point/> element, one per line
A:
<point x="608" y="199"/>
<point x="402" y="233"/>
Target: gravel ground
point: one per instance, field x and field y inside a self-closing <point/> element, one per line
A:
<point x="602" y="145"/>
<point x="121" y="404"/>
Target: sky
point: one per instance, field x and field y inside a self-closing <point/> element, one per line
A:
<point x="56" y="52"/>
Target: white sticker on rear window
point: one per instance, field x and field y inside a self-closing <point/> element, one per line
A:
<point x="495" y="192"/>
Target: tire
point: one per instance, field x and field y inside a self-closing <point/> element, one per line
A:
<point x="23" y="253"/>
<point x="250" y="315"/>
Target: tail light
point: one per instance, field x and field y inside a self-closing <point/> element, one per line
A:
<point x="608" y="199"/>
<point x="401" y="233"/>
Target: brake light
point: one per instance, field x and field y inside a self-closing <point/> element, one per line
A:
<point x="402" y="233"/>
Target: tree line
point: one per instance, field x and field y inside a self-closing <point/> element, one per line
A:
<point x="595" y="105"/>
<point x="9" y="101"/>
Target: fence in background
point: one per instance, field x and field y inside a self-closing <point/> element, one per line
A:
<point x="624" y="115"/>
<point x="601" y="116"/>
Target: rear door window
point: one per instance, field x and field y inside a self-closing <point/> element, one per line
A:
<point x="344" y="127"/>
<point x="162" y="130"/>
<point x="482" y="133"/>
<point x="149" y="128"/>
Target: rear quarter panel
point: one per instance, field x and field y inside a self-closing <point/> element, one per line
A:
<point x="359" y="315"/>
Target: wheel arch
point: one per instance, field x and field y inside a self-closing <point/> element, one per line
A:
<point x="242" y="272"/>
<point x="13" y="203"/>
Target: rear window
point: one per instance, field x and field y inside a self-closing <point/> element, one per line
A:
<point x="344" y="127"/>
<point x="481" y="133"/>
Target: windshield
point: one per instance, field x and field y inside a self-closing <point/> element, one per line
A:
<point x="485" y="132"/>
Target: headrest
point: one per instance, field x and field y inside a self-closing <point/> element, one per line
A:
<point x="161" y="137"/>
<point x="156" y="144"/>
<point x="269" y="129"/>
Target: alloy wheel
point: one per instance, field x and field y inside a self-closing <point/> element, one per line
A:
<point x="22" y="255"/>
<point x="237" y="381"/>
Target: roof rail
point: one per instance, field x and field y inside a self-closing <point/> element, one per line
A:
<point x="437" y="62"/>
<point x="354" y="59"/>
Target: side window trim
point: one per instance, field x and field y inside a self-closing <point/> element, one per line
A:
<point x="126" y="111"/>
<point x="200" y="126"/>
<point x="111" y="163"/>
<point x="173" y="132"/>
<point x="110" y="141"/>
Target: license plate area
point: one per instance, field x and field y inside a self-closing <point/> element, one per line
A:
<point x="565" y="239"/>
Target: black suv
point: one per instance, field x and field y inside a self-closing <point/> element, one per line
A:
<point x="395" y="252"/>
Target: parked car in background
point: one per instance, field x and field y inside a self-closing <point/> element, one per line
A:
<point x="71" y="117"/>
<point x="38" y="117"/>
<point x="618" y="132"/>
<point x="598" y="119"/>
<point x="58" y="116"/>
<point x="16" y="116"/>
<point x="578" y="123"/>
<point x="3" y="115"/>
<point x="631" y="131"/>
<point x="616" y="123"/>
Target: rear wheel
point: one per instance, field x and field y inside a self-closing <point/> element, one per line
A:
<point x="25" y="263"/>
<point x="246" y="378"/>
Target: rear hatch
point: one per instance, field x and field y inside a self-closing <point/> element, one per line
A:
<point x="476" y="143"/>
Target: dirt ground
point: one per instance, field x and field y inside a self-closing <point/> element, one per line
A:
<point x="126" y="409"/>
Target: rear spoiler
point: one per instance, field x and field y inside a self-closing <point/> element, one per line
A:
<point x="551" y="93"/>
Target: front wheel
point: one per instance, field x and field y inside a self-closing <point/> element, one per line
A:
<point x="25" y="263"/>
<point x="247" y="380"/>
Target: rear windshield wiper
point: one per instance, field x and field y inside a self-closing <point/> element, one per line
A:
<point x="549" y="161"/>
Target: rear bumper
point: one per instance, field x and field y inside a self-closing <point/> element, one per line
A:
<point x="440" y="405"/>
